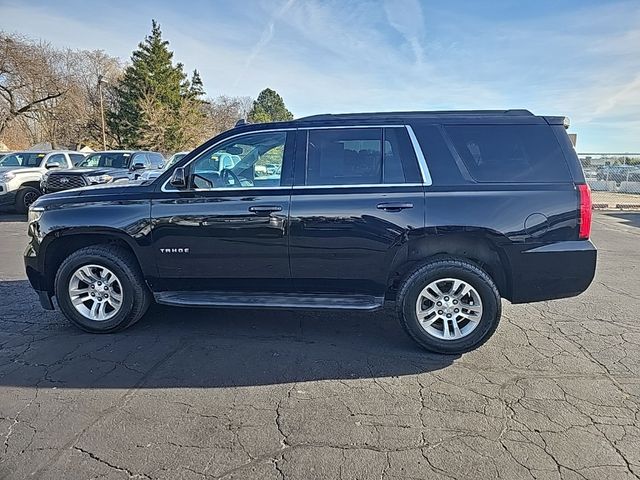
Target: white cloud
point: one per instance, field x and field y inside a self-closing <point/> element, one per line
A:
<point x="407" y="18"/>
<point x="336" y="56"/>
<point x="267" y="35"/>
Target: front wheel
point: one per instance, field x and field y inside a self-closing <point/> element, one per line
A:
<point x="449" y="306"/>
<point x="100" y="289"/>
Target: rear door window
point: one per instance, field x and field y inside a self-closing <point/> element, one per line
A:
<point x="510" y="153"/>
<point x="356" y="156"/>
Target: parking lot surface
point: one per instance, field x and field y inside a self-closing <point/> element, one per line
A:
<point x="250" y="394"/>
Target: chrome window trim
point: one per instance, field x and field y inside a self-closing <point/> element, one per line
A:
<point x="350" y="126"/>
<point x="271" y="130"/>
<point x="239" y="189"/>
<point x="362" y="185"/>
<point x="422" y="162"/>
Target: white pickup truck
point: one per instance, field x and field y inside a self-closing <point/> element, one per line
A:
<point x="21" y="172"/>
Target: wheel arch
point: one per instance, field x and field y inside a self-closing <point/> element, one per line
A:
<point x="479" y="247"/>
<point x="58" y="245"/>
<point x="31" y="183"/>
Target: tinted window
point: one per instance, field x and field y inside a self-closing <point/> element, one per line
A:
<point x="140" y="159"/>
<point x="107" y="159"/>
<point x="157" y="160"/>
<point x="349" y="156"/>
<point x="354" y="156"/>
<point x="58" y="158"/>
<point x="25" y="159"/>
<point x="510" y="153"/>
<point x="441" y="164"/>
<point x="399" y="163"/>
<point x="252" y="160"/>
<point x="76" y="158"/>
<point x="175" y="159"/>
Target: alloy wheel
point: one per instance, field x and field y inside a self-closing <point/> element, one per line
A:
<point x="449" y="308"/>
<point x="95" y="292"/>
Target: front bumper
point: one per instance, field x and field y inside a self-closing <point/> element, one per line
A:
<point x="556" y="270"/>
<point x="36" y="279"/>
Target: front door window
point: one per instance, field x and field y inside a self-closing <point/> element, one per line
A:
<point x="249" y="161"/>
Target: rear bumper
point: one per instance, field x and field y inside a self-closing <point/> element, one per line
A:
<point x="556" y="270"/>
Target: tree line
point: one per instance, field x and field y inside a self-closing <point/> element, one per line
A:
<point x="77" y="97"/>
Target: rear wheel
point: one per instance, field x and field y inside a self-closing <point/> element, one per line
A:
<point x="25" y="198"/>
<point x="449" y="306"/>
<point x="101" y="289"/>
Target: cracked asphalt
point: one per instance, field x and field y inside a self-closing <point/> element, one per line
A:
<point x="249" y="394"/>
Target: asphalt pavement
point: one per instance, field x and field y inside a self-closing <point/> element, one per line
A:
<point x="250" y="394"/>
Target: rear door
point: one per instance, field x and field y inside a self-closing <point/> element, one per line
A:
<point x="358" y="198"/>
<point x="228" y="231"/>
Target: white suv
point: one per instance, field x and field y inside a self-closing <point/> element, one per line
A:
<point x="21" y="172"/>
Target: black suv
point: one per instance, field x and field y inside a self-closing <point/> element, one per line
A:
<point x="442" y="213"/>
<point x="103" y="167"/>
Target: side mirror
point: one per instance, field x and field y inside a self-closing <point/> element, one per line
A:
<point x="178" y="178"/>
<point x="51" y="165"/>
<point x="137" y="166"/>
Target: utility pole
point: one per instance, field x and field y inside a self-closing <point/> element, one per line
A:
<point x="104" y="134"/>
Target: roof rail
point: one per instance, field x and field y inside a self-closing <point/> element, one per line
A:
<point x="328" y="116"/>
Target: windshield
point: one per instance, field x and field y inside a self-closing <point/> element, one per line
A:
<point x="175" y="159"/>
<point x="22" y="160"/>
<point x="107" y="159"/>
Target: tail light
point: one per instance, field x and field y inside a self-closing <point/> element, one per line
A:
<point x="585" y="212"/>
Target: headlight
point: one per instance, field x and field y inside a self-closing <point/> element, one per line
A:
<point x="100" y="179"/>
<point x="34" y="214"/>
<point x="7" y="176"/>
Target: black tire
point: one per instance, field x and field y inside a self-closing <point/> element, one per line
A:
<point x="136" y="297"/>
<point x="449" y="268"/>
<point x="25" y="197"/>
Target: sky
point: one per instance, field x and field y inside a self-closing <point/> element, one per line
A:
<point x="579" y="58"/>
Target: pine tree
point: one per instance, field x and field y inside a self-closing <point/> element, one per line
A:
<point x="269" y="107"/>
<point x="153" y="88"/>
<point x="196" y="87"/>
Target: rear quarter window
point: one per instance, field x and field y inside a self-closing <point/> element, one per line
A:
<point x="510" y="153"/>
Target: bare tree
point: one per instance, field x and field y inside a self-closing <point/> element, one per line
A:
<point x="225" y="111"/>
<point x="29" y="79"/>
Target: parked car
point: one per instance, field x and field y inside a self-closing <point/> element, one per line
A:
<point x="441" y="213"/>
<point x="103" y="167"/>
<point x="21" y="173"/>
<point x="151" y="174"/>
<point x="619" y="173"/>
<point x="78" y="157"/>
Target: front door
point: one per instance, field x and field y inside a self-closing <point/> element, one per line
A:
<point x="228" y="230"/>
<point x="357" y="200"/>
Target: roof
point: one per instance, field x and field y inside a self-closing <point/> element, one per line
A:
<point x="512" y="116"/>
<point x="124" y="151"/>
<point x="415" y="115"/>
<point x="44" y="152"/>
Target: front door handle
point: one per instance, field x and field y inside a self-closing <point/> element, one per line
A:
<point x="394" y="206"/>
<point x="265" y="208"/>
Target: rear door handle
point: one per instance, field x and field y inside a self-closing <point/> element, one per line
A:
<point x="265" y="208"/>
<point x="394" y="206"/>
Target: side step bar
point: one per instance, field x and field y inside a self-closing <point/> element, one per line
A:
<point x="264" y="300"/>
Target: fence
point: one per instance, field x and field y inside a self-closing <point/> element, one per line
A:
<point x="614" y="179"/>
